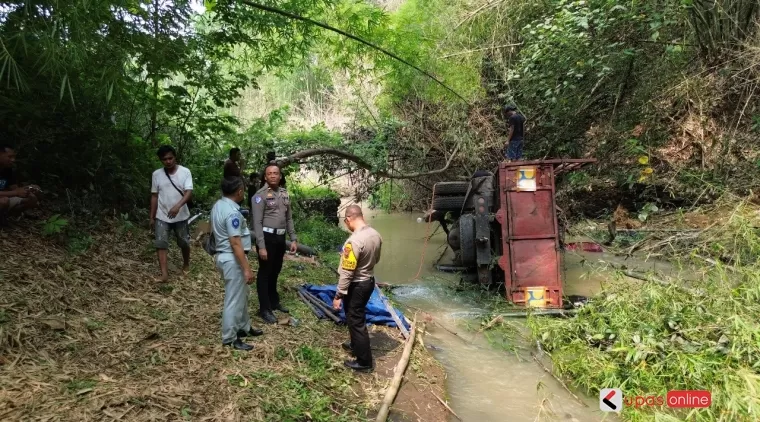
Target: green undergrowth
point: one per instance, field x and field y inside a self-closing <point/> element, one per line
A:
<point x="649" y="338"/>
<point x="323" y="236"/>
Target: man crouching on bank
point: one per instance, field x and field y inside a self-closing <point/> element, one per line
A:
<point x="356" y="283"/>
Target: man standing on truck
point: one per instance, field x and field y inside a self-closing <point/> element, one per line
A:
<point x="361" y="253"/>
<point x="516" y="121"/>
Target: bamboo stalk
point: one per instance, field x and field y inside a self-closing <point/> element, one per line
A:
<point x="390" y="395"/>
<point x="446" y="406"/>
<point x="562" y="383"/>
<point x="309" y="304"/>
<point x="322" y="307"/>
<point x="390" y="310"/>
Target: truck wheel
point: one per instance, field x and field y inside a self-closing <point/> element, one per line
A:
<point x="467" y="239"/>
<point x="450" y="203"/>
<point x="451" y="188"/>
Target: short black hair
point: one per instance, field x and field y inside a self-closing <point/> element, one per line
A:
<point x="231" y="185"/>
<point x="233" y="151"/>
<point x="510" y="107"/>
<point x="4" y="147"/>
<point x="272" y="165"/>
<point x="165" y="149"/>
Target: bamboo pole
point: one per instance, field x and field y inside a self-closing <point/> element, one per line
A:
<point x="390" y="395"/>
<point x="327" y="311"/>
<point x="309" y="304"/>
<point x="391" y="311"/>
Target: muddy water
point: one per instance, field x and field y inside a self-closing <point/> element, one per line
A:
<point x="486" y="382"/>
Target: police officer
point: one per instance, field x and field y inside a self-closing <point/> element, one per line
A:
<point x="233" y="242"/>
<point x="272" y="217"/>
<point x="356" y="283"/>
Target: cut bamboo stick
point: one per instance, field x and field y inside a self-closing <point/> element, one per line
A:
<point x="390" y="395"/>
<point x="391" y="311"/>
<point x="327" y="311"/>
<point x="309" y="304"/>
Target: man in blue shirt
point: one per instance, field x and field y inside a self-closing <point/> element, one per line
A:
<point x="233" y="242"/>
<point x="516" y="121"/>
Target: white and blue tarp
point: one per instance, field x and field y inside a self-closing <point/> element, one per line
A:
<point x="376" y="311"/>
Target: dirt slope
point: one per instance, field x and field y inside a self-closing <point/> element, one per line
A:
<point x="90" y="337"/>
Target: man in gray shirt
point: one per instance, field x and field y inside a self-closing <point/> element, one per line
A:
<point x="272" y="218"/>
<point x="361" y="253"/>
<point x="233" y="242"/>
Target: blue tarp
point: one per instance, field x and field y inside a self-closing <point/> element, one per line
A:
<point x="376" y="312"/>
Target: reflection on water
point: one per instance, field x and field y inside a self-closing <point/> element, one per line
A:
<point x="485" y="383"/>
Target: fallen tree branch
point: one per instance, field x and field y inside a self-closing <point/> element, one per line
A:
<point x="300" y="155"/>
<point x="390" y="395"/>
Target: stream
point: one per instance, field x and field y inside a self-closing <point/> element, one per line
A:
<point x="487" y="381"/>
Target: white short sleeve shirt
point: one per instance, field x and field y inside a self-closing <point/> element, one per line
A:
<point x="168" y="196"/>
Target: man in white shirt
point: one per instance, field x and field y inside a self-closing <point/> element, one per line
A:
<point x="171" y="189"/>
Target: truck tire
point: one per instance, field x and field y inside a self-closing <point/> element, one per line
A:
<point x="451" y="188"/>
<point x="467" y="239"/>
<point x="450" y="203"/>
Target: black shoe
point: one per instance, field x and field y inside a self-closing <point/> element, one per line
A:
<point x="282" y="309"/>
<point x="268" y="317"/>
<point x="347" y="347"/>
<point x="239" y="345"/>
<point x="253" y="332"/>
<point x="356" y="366"/>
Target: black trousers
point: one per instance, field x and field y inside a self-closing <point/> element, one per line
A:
<point x="356" y="310"/>
<point x="269" y="270"/>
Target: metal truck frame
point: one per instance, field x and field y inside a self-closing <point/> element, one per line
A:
<point x="506" y="227"/>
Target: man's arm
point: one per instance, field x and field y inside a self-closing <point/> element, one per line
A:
<point x="257" y="205"/>
<point x="187" y="186"/>
<point x="153" y="205"/>
<point x="185" y="198"/>
<point x="347" y="266"/>
<point x="234" y="231"/>
<point x="511" y="132"/>
<point x="14" y="191"/>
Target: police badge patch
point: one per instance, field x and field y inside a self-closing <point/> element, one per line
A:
<point x="258" y="199"/>
<point x="235" y="223"/>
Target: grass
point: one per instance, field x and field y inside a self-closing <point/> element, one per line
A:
<point x="325" y="237"/>
<point x="649" y="338"/>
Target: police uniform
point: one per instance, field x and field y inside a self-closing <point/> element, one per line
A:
<point x="226" y="222"/>
<point x="355" y="285"/>
<point x="272" y="218"/>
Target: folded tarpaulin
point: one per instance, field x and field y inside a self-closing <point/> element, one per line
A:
<point x="376" y="312"/>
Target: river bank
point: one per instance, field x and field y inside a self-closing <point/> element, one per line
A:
<point x="686" y="322"/>
<point x="86" y="335"/>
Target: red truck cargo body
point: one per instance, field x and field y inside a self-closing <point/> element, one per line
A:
<point x="530" y="240"/>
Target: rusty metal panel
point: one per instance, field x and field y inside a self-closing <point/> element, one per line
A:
<point x="532" y="213"/>
<point x="529" y="233"/>
<point x="535" y="262"/>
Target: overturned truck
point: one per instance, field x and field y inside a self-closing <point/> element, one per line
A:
<point x="505" y="227"/>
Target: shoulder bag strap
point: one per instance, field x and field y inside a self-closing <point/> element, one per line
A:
<point x="172" y="182"/>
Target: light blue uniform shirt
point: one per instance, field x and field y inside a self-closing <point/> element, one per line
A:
<point x="226" y="222"/>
